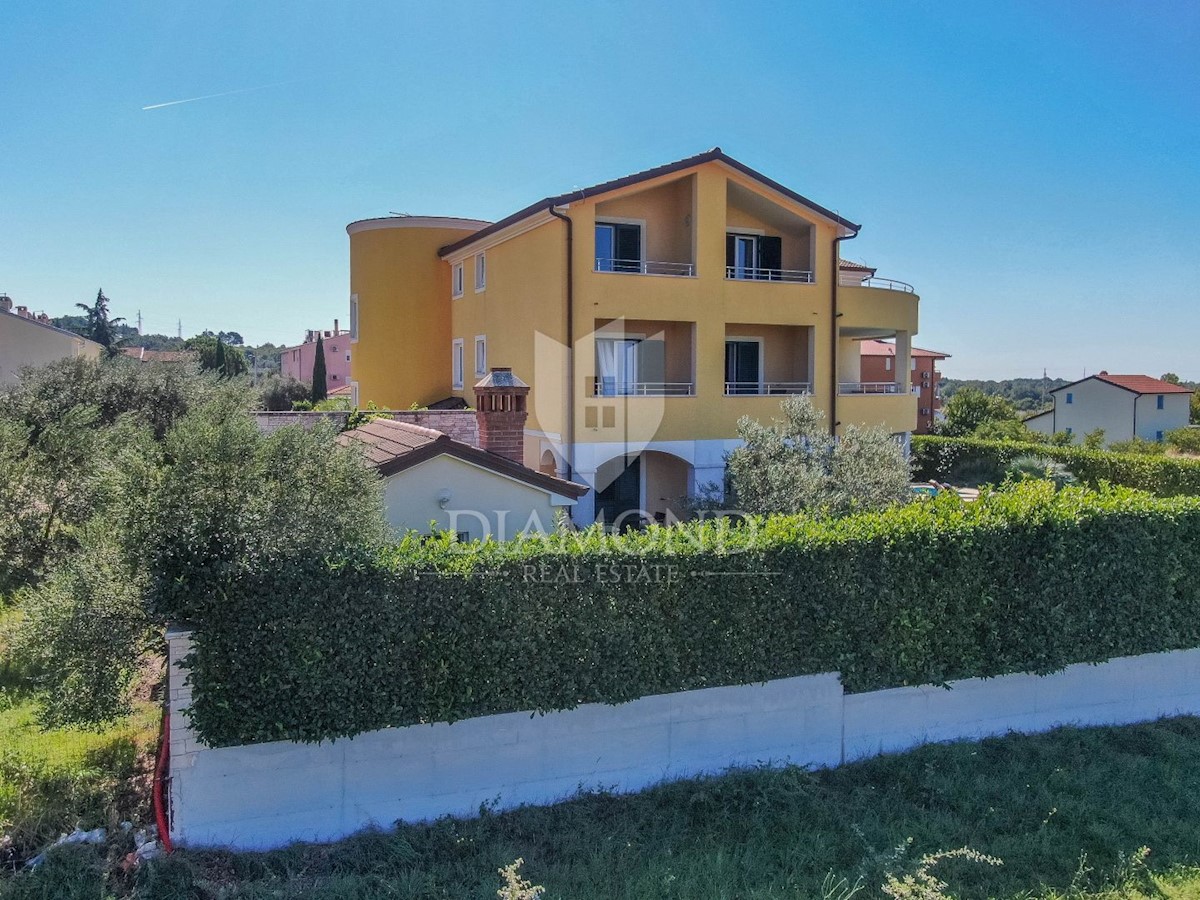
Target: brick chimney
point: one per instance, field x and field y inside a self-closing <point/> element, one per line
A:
<point x="501" y="408"/>
<point x="5" y="303"/>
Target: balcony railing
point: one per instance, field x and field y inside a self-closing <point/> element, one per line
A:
<point x="643" y="266"/>
<point x="754" y="388"/>
<point x="745" y="273"/>
<point x="868" y="387"/>
<point x="889" y="284"/>
<point x="600" y="388"/>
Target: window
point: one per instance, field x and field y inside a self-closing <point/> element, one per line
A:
<point x="743" y="367"/>
<point x="480" y="355"/>
<point x="753" y="256"/>
<point x="1070" y="398"/>
<point x="333" y="378"/>
<point x="456" y="280"/>
<point x="456" y="360"/>
<point x="1158" y="435"/>
<point x="480" y="272"/>
<point x="1069" y="431"/>
<point x="333" y="348"/>
<point x="914" y="365"/>
<point x="347" y="357"/>
<point x="353" y="318"/>
<point x="887" y="364"/>
<point x="1160" y="402"/>
<point x="618" y="247"/>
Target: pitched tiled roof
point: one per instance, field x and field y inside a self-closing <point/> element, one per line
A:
<point x="393" y="446"/>
<point x="852" y="266"/>
<point x="716" y="154"/>
<point x="885" y="348"/>
<point x="1138" y="384"/>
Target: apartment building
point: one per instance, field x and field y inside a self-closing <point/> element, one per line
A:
<point x="878" y="373"/>
<point x="298" y="361"/>
<point x="648" y="314"/>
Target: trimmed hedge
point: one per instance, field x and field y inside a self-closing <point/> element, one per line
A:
<point x="1024" y="580"/>
<point x="937" y="457"/>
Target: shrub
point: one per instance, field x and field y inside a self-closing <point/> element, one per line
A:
<point x="794" y="464"/>
<point x="944" y="459"/>
<point x="1028" y="579"/>
<point x="1185" y="440"/>
<point x="280" y="393"/>
<point x="1039" y="467"/>
<point x="1138" y="445"/>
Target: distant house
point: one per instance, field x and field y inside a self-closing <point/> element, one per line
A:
<point x="878" y="360"/>
<point x="298" y="361"/>
<point x="1124" y="406"/>
<point x="475" y="492"/>
<point x="28" y="339"/>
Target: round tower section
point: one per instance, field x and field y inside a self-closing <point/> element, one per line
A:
<point x="400" y="308"/>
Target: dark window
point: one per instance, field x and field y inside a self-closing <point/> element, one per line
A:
<point x="618" y="247"/>
<point x="753" y="256"/>
<point x="742" y="370"/>
<point x="1160" y="401"/>
<point x="1070" y="398"/>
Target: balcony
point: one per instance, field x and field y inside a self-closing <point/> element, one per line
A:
<point x="868" y="387"/>
<point x="606" y="387"/>
<point x="644" y="267"/>
<point x="747" y="273"/>
<point x="766" y="389"/>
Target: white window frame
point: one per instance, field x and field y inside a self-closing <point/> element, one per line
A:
<point x="457" y="363"/>
<point x="480" y="272"/>
<point x="354" y="318"/>
<point x="481" y="359"/>
<point x="456" y="280"/>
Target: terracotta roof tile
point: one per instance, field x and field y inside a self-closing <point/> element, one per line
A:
<point x="1143" y="384"/>
<point x="886" y="348"/>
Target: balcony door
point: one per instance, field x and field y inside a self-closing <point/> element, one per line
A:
<point x="618" y="247"/>
<point x="743" y="367"/>
<point x="753" y="256"/>
<point x="630" y="365"/>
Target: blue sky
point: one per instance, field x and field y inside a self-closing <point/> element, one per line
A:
<point x="1032" y="168"/>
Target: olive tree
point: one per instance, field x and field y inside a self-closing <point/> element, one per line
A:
<point x="793" y="464"/>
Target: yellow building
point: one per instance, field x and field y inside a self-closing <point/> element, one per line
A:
<point x="27" y="339"/>
<point x="691" y="295"/>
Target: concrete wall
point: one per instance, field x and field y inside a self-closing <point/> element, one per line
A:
<point x="266" y="795"/>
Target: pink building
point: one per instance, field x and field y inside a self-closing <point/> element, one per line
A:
<point x="298" y="361"/>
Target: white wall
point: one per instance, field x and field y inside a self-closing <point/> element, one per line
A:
<point x="1096" y="404"/>
<point x="267" y="795"/>
<point x="1151" y="420"/>
<point x="481" y="502"/>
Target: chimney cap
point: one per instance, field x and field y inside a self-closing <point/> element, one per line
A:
<point x="1104" y="371"/>
<point x="501" y="377"/>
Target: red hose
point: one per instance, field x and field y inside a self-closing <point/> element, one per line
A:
<point x="162" y="765"/>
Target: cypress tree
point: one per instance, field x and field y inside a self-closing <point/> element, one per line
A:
<point x="219" y="359"/>
<point x="320" y="388"/>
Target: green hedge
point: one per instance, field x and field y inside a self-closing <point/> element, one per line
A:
<point x="1023" y="580"/>
<point x="939" y="457"/>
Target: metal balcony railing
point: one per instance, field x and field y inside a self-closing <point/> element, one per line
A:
<point x="602" y="388"/>
<point x="889" y="284"/>
<point x="643" y="266"/>
<point x="745" y="273"/>
<point x="756" y="389"/>
<point x="868" y="387"/>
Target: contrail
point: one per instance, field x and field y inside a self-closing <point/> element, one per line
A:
<point x="261" y="87"/>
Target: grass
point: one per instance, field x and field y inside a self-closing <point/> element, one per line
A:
<point x="52" y="781"/>
<point x="1066" y="812"/>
